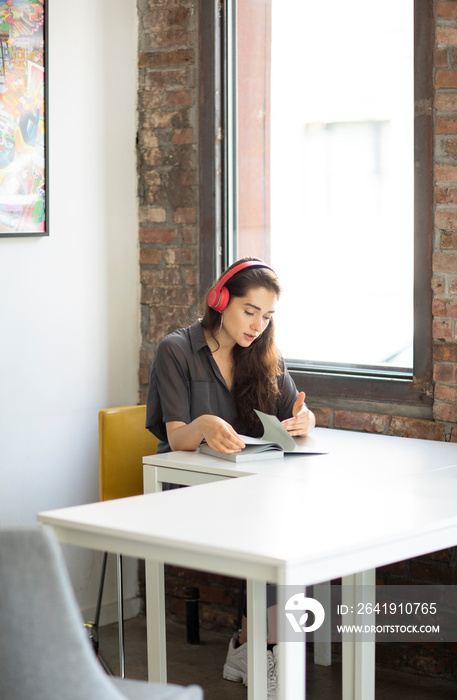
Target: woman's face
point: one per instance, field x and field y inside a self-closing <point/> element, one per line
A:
<point x="245" y="318"/>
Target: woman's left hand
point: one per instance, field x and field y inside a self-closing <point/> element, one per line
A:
<point x="303" y="420"/>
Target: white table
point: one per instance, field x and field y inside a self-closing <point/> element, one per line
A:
<point x="363" y="479"/>
<point x="360" y="458"/>
<point x="357" y="458"/>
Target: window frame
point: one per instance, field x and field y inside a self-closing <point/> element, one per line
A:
<point x="320" y="382"/>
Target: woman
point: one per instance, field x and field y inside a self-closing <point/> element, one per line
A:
<point x="207" y="380"/>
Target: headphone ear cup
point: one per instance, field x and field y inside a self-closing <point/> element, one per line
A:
<point x="223" y="299"/>
<point x="212" y="298"/>
<point x="218" y="300"/>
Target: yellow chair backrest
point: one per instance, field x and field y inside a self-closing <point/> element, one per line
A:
<point x="123" y="442"/>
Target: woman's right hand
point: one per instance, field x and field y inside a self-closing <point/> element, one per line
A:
<point x="220" y="435"/>
<point x="216" y="431"/>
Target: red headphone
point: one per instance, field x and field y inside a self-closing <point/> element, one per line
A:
<point x="219" y="296"/>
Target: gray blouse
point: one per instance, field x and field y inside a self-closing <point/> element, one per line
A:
<point x="185" y="383"/>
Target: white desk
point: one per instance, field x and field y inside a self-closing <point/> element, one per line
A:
<point x="407" y="507"/>
<point x="359" y="458"/>
<point x="356" y="458"/>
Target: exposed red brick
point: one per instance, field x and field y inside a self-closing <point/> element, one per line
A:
<point x="152" y="157"/>
<point x="438" y="284"/>
<point x="152" y="215"/>
<point x="165" y="59"/>
<point x="180" y="256"/>
<point x="445" y="262"/>
<point x="156" y="234"/>
<point x="191" y="276"/>
<point x="183" y="98"/>
<point x="445" y="352"/>
<point x="188" y="177"/>
<point x="442" y="330"/>
<point x="143" y="375"/>
<point x="446" y="35"/>
<point x="154" y="78"/>
<point x="446" y="194"/>
<point x="446" y="393"/>
<point x="181" y="296"/>
<point x="185" y="215"/>
<point x="445" y="373"/>
<point x="448" y="145"/>
<point x="219" y="616"/>
<point x="189" y="235"/>
<point x="181" y="136"/>
<point x="446" y="173"/>
<point x="150" y="256"/>
<point x="166" y="319"/>
<point x="147" y="357"/>
<point x="148" y="140"/>
<point x="446" y="78"/>
<point x="157" y="119"/>
<point x="165" y="277"/>
<point x="367" y="422"/>
<point x="152" y="184"/>
<point x="149" y="99"/>
<point x="323" y="416"/>
<point x="166" y="17"/>
<point x="446" y="219"/>
<point x="439" y="307"/>
<point x="446" y="125"/>
<point x="446" y="10"/>
<point x="169" y="38"/>
<point x="441" y="59"/>
<point x="445" y="412"/>
<point x="151" y="295"/>
<point x="416" y="428"/>
<point x="448" y="240"/>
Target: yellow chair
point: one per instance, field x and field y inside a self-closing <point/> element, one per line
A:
<point x="123" y="442"/>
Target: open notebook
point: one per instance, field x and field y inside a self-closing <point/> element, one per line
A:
<point x="274" y="443"/>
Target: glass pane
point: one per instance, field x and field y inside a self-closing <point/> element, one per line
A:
<point x="325" y="171"/>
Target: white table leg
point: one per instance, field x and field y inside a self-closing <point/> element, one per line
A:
<point x="155" y="622"/>
<point x="256" y="599"/>
<point x="292" y="657"/>
<point x="155" y="602"/>
<point x="323" y="635"/>
<point x="358" y="657"/>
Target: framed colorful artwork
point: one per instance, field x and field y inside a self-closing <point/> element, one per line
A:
<point x="23" y="140"/>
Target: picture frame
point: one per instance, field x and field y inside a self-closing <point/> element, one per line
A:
<point x="24" y="185"/>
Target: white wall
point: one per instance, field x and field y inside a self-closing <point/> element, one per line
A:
<point x="69" y="303"/>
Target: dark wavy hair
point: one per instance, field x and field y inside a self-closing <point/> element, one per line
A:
<point x="257" y="367"/>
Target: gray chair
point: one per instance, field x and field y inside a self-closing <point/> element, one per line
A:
<point x="45" y="653"/>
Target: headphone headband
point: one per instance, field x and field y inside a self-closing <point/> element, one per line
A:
<point x="218" y="296"/>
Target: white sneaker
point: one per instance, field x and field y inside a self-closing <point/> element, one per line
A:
<point x="236" y="663"/>
<point x="272" y="673"/>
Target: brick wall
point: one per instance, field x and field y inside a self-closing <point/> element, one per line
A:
<point x="167" y="171"/>
<point x="168" y="206"/>
<point x="444" y="281"/>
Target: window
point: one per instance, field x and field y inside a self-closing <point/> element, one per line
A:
<point x="328" y="177"/>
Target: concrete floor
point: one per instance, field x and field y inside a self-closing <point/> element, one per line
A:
<point x="202" y="664"/>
